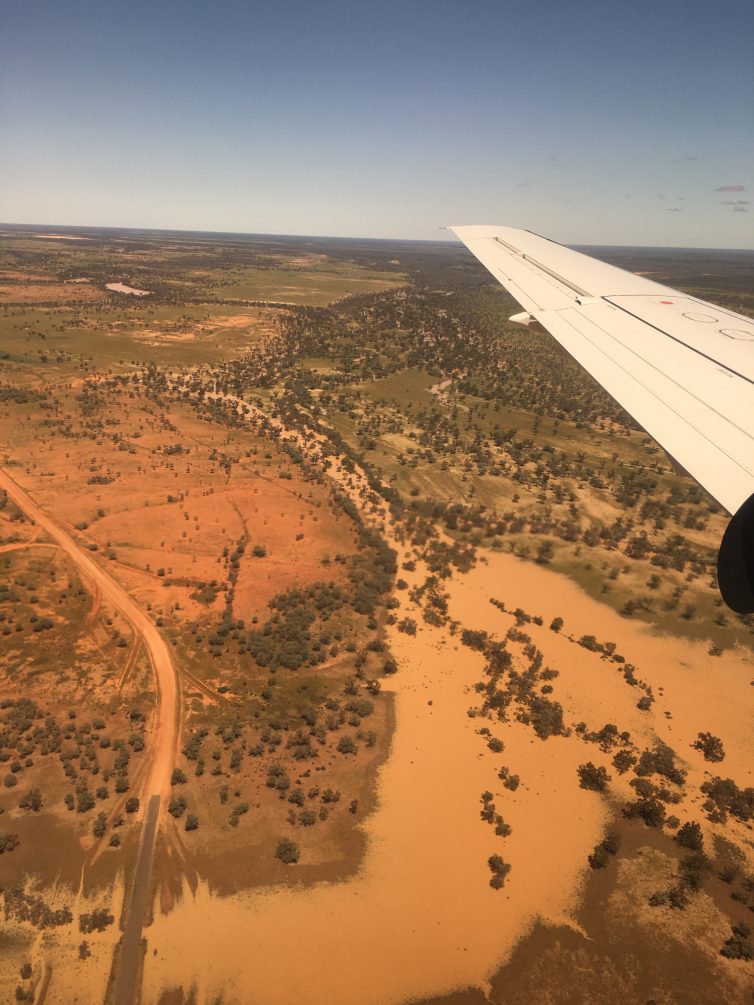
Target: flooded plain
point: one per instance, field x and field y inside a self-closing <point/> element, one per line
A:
<point x="420" y="917"/>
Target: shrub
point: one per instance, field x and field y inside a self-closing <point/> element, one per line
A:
<point x="690" y="836"/>
<point x="132" y="804"/>
<point x="622" y="761"/>
<point x="97" y="921"/>
<point x="724" y="796"/>
<point x="8" y="842"/>
<point x="474" y="639"/>
<point x="604" y="851"/>
<point x="648" y="808"/>
<point x="192" y="822"/>
<point x="592" y="777"/>
<point x="711" y="746"/>
<point x="347" y="745"/>
<point x="287" y="851"/>
<point x="499" y="870"/>
<point x="738" y="946"/>
<point x="31" y="801"/>
<point x="661" y="761"/>
<point x="407" y="626"/>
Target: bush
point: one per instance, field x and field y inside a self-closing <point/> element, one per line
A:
<point x="661" y="761"/>
<point x="738" y="946"/>
<point x="31" y="801"/>
<point x="711" y="746"/>
<point x="8" y="842"/>
<point x="178" y="777"/>
<point x="724" y="796"/>
<point x="474" y="639"/>
<point x="407" y="626"/>
<point x="648" y="808"/>
<point x="347" y="745"/>
<point x="97" y="921"/>
<point x="622" y="761"/>
<point x="499" y="870"/>
<point x="690" y="836"/>
<point x="192" y="822"/>
<point x="132" y="804"/>
<point x="604" y="851"/>
<point x="287" y="851"/>
<point x="592" y="777"/>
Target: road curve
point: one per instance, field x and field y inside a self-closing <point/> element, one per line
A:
<point x="165" y="739"/>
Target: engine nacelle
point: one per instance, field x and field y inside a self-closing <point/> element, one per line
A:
<point x="735" y="561"/>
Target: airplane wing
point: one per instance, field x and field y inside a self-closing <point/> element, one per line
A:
<point x="682" y="367"/>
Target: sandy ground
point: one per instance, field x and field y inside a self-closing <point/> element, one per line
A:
<point x="165" y="734"/>
<point x="121" y="288"/>
<point x="32" y="293"/>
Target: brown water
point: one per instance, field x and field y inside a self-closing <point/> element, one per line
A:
<point x="420" y="916"/>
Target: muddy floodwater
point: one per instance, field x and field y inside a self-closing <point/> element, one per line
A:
<point x="420" y="917"/>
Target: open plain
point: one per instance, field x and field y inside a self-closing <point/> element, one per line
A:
<point x="374" y="620"/>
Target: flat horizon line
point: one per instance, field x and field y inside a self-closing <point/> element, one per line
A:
<point x="335" y="237"/>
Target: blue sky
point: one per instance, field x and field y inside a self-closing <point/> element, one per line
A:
<point x="592" y="122"/>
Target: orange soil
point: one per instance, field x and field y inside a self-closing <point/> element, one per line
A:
<point x="35" y="292"/>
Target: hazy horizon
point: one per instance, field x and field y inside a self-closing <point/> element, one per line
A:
<point x="105" y="228"/>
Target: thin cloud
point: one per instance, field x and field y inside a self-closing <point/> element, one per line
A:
<point x="735" y="202"/>
<point x="730" y="188"/>
<point x="739" y="209"/>
<point x="688" y="159"/>
<point x="673" y="209"/>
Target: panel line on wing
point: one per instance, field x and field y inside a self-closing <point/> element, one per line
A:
<point x="684" y="418"/>
<point x="680" y="341"/>
<point x="543" y="268"/>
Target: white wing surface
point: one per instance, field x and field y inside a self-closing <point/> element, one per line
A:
<point x="682" y="367"/>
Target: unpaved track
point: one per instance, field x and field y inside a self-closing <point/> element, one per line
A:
<point x="165" y="739"/>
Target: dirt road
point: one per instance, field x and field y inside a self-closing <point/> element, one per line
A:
<point x="165" y="738"/>
<point x="163" y="742"/>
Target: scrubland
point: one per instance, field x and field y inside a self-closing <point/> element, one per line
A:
<point x="455" y="684"/>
